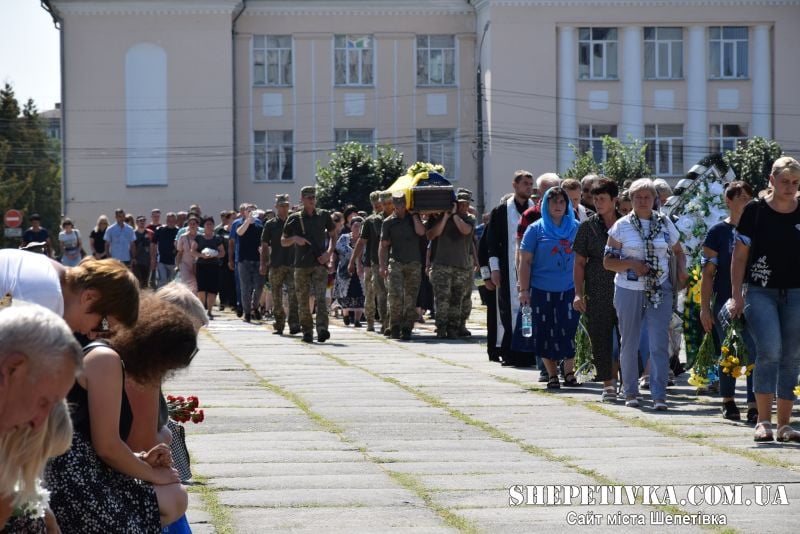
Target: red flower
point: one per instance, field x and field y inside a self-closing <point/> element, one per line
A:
<point x="198" y="416"/>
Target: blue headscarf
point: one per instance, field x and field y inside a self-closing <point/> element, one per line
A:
<point x="568" y="224"/>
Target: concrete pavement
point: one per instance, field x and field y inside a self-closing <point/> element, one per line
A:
<point x="365" y="434"/>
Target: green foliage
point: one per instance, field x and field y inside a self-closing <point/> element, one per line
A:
<point x="624" y="161"/>
<point x="352" y="174"/>
<point x="582" y="165"/>
<point x="348" y="178"/>
<point x="752" y="161"/>
<point x="389" y="165"/>
<point x="30" y="177"/>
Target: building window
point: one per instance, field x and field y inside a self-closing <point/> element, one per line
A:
<point x="725" y="137"/>
<point x="663" y="53"/>
<point x="272" y="60"/>
<point x="353" y="59"/>
<point x="728" y="51"/>
<point x="436" y="60"/>
<point x="597" y="53"/>
<point x="274" y="155"/>
<point x="664" y="150"/>
<point x="590" y="137"/>
<point x="438" y="146"/>
<point x="355" y="135"/>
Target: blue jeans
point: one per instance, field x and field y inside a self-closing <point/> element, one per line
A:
<point x="633" y="310"/>
<point x="727" y="383"/>
<point x="252" y="283"/>
<point x="773" y="320"/>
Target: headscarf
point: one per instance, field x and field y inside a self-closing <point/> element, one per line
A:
<point x="568" y="224"/>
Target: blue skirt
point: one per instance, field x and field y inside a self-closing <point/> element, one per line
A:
<point x="554" y="323"/>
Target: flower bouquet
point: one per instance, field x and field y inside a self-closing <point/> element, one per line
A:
<point x="585" y="370"/>
<point x="735" y="360"/>
<point x="703" y="372"/>
<point x="183" y="410"/>
<point x="35" y="507"/>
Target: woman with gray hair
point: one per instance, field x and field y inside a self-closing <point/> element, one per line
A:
<point x="663" y="191"/>
<point x="638" y="250"/>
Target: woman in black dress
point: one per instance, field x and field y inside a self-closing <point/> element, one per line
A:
<point x="207" y="249"/>
<point x="100" y="485"/>
<point x="97" y="238"/>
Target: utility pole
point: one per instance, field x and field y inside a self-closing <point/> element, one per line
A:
<point x="479" y="118"/>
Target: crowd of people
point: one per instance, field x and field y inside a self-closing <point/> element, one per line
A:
<point x="559" y="248"/>
<point x="105" y="328"/>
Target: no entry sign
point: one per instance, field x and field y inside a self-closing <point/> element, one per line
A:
<point x="12" y="219"/>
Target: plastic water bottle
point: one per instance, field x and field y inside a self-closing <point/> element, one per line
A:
<point x="527" y="321"/>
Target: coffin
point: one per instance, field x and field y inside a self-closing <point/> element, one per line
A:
<point x="426" y="192"/>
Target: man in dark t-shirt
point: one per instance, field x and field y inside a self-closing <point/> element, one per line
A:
<point x="36" y="233"/>
<point x="164" y="239"/>
<point x="278" y="262"/>
<point x="144" y="252"/>
<point x="251" y="282"/>
<point x="401" y="261"/>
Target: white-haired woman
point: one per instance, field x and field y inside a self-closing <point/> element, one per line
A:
<point x="638" y="250"/>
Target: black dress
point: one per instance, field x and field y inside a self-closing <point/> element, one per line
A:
<point x="88" y="496"/>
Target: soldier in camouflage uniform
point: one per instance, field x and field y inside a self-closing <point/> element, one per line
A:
<point x="451" y="234"/>
<point x="370" y="239"/>
<point x="400" y="233"/>
<point x="278" y="262"/>
<point x="307" y="231"/>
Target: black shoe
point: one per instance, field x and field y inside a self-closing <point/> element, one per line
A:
<point x="730" y="411"/>
<point x="387" y="332"/>
<point x="221" y="307"/>
<point x="494" y="358"/>
<point x="752" y="416"/>
<point x="239" y="311"/>
<point x="308" y="338"/>
<point x="543" y="376"/>
<point x="257" y="314"/>
<point x="463" y="332"/>
<point x="441" y="334"/>
<point x="278" y="329"/>
<point x="357" y="324"/>
<point x="405" y="334"/>
<point x="346" y="320"/>
<point x="394" y="333"/>
<point x="294" y="330"/>
<point x="247" y="317"/>
<point x="210" y="315"/>
<point x="323" y="336"/>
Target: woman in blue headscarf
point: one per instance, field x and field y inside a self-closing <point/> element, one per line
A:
<point x="546" y="254"/>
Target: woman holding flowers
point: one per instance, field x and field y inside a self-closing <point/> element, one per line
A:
<point x="638" y="250"/>
<point x="766" y="287"/>
<point x="716" y="281"/>
<point x="546" y="256"/>
<point x="594" y="284"/>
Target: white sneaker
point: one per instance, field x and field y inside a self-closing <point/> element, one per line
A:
<point x="632" y="402"/>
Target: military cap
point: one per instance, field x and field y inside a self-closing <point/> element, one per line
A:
<point x="308" y="191"/>
<point x="373" y="197"/>
<point x="385" y="196"/>
<point x="282" y="200"/>
<point x="398" y="197"/>
<point x="464" y="195"/>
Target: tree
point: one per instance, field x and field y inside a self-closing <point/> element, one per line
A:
<point x="624" y="161"/>
<point x="752" y="161"/>
<point x="389" y="165"/>
<point x="30" y="178"/>
<point x="348" y="178"/>
<point x="583" y="164"/>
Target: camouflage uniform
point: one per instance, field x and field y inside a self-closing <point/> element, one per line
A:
<point x="371" y="233"/>
<point x="450" y="285"/>
<point x="308" y="281"/>
<point x="404" y="281"/>
<point x="278" y="278"/>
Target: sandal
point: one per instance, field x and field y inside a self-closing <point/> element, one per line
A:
<point x="609" y="394"/>
<point x="553" y="383"/>
<point x="788" y="434"/>
<point x="570" y="381"/>
<point x="763" y="432"/>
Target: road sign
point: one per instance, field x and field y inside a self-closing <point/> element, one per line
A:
<point x="13" y="232"/>
<point x="12" y="219"/>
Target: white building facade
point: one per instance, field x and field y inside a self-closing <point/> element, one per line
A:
<point x="168" y="103"/>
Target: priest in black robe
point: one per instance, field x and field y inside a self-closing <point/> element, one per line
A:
<point x="502" y="248"/>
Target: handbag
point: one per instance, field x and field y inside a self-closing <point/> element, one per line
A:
<point x="180" y="454"/>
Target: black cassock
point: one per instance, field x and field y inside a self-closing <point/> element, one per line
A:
<point x="501" y="243"/>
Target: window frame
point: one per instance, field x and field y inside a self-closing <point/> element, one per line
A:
<point x="670" y="44"/>
<point x="734" y="43"/>
<point x="593" y="141"/>
<point x="262" y="151"/>
<point x="655" y="141"/>
<point x="348" y="38"/>
<point x="605" y="44"/>
<point x="423" y="139"/>
<point x="721" y="138"/>
<point x="428" y="51"/>
<point x="281" y="52"/>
